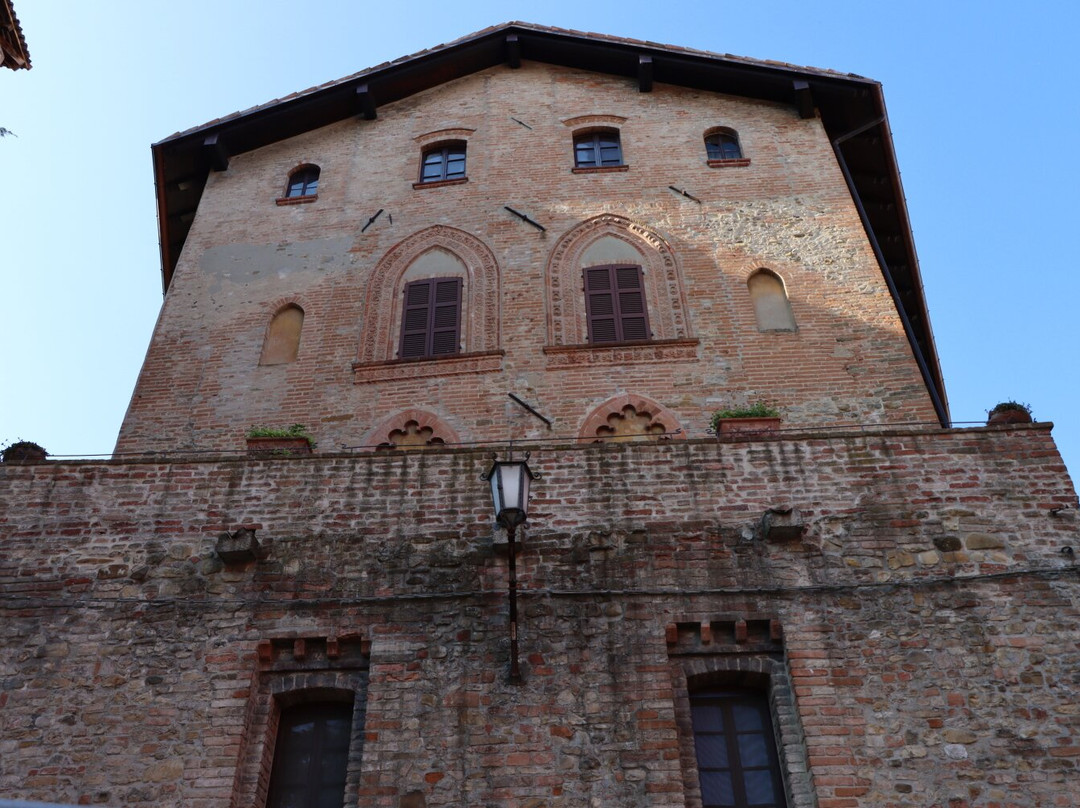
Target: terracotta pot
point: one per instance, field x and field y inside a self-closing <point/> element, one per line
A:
<point x="1009" y="417"/>
<point x="746" y="426"/>
<point x="266" y="447"/>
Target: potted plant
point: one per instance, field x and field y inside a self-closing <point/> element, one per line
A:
<point x="1010" y="412"/>
<point x="267" y="440"/>
<point x="23" y="452"/>
<point x="756" y="418"/>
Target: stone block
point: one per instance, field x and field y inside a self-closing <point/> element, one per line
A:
<point x="237" y="547"/>
<point x="782" y="524"/>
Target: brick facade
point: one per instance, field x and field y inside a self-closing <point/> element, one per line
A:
<point x="902" y="599"/>
<point x="789" y="211"/>
<point x="925" y="623"/>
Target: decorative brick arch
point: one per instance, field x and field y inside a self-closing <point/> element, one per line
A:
<point x="480" y="306"/>
<point x="411" y="429"/>
<point x="664" y="293"/>
<point x="626" y="416"/>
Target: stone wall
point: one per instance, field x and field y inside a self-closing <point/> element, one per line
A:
<point x="925" y="623"/>
<point x="788" y="210"/>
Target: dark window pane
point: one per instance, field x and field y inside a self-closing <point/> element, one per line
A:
<point x="716" y="789"/>
<point x="752" y="750"/>
<point x="722" y="147"/>
<point x="747" y="717"/>
<point x="443" y="163"/>
<point x="311" y="756"/>
<point x="598" y="149"/>
<point x="711" y="751"/>
<point x="759" y="788"/>
<point x="707" y="717"/>
<point x="303" y="182"/>
<point x="733" y="739"/>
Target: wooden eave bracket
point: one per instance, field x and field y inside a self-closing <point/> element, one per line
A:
<point x="513" y="51"/>
<point x="365" y="102"/>
<point x="214" y="149"/>
<point x="804" y="98"/>
<point x="645" y="74"/>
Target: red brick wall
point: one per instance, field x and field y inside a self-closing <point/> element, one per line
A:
<point x="789" y="210"/>
<point x="928" y="616"/>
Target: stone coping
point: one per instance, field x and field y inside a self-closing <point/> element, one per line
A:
<point x="561" y="444"/>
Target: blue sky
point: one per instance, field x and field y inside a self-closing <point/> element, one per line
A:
<point x="980" y="98"/>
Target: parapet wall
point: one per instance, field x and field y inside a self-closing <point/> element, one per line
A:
<point x="925" y="623"/>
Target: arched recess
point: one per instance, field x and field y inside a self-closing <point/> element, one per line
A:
<point x="591" y="242"/>
<point x="411" y="429"/>
<point x="629" y="417"/>
<point x="480" y="304"/>
<point x="281" y="344"/>
<point x="771" y="305"/>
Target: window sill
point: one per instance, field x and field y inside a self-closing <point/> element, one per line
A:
<point x="599" y="169"/>
<point x="427" y="367"/>
<point x="296" y="200"/>
<point x="619" y="353"/>
<point x="731" y="162"/>
<point x="439" y="183"/>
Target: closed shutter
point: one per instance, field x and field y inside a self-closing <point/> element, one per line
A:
<point x="615" y="304"/>
<point x="431" y="318"/>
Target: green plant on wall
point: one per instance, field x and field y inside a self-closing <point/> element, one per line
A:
<point x="294" y="431"/>
<point x="1011" y="406"/>
<point x="758" y="410"/>
<point x="21" y="451"/>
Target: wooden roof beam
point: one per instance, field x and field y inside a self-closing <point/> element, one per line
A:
<point x="366" y="103"/>
<point x="804" y="98"/>
<point x="645" y="74"/>
<point x="214" y="149"/>
<point x="513" y="51"/>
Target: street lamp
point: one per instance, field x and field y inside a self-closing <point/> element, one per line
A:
<point x="509" y="481"/>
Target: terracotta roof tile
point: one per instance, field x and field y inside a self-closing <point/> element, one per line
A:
<point x="13" y="51"/>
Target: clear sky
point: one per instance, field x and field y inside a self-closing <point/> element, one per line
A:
<point x="981" y="99"/>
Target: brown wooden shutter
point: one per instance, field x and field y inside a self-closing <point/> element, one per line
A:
<point x="431" y="318"/>
<point x="615" y="304"/>
<point x="445" y="316"/>
<point x="633" y="318"/>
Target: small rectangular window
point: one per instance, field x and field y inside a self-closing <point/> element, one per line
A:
<point x="311" y="756"/>
<point x="442" y="163"/>
<point x="736" y="750"/>
<point x="597" y="150"/>
<point x="615" y="304"/>
<point x="431" y="318"/>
